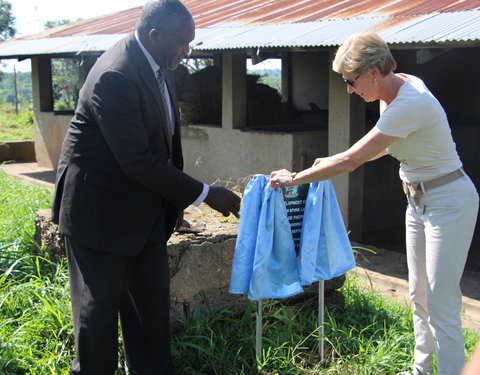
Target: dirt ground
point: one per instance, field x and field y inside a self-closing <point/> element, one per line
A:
<point x="385" y="269"/>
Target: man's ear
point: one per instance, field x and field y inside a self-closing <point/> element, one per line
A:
<point x="154" y="36"/>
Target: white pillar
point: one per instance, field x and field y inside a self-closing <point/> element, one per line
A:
<point x="346" y="124"/>
<point x="234" y="91"/>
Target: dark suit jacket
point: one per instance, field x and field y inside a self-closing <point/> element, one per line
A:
<point x="117" y="178"/>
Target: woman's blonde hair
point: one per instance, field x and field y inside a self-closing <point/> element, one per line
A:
<point x="363" y="51"/>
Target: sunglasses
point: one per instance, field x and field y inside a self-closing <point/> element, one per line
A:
<point x="351" y="82"/>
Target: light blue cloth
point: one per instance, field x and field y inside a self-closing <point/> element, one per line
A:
<point x="265" y="264"/>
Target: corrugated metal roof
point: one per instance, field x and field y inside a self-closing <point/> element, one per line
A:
<point x="61" y="45"/>
<point x="427" y="29"/>
<point x="240" y="24"/>
<point x="440" y="27"/>
<point x="211" y="13"/>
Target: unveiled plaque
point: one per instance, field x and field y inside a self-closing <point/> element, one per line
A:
<point x="295" y="198"/>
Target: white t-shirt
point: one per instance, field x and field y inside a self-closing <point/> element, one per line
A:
<point x="426" y="149"/>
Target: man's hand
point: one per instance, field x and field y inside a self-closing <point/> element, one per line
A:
<point x="223" y="200"/>
<point x="179" y="222"/>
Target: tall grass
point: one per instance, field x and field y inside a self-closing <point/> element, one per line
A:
<point x="364" y="335"/>
<point x="36" y="332"/>
<point x="18" y="205"/>
<point x="34" y="308"/>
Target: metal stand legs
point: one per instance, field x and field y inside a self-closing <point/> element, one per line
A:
<point x="321" y="319"/>
<point x="258" y="331"/>
<point x="321" y="328"/>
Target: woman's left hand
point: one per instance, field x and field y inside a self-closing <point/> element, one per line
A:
<point x="280" y="178"/>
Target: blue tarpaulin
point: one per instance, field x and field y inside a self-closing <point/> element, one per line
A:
<point x="265" y="264"/>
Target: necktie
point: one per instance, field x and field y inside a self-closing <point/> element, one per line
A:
<point x="163" y="93"/>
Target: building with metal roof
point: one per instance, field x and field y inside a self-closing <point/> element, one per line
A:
<point x="279" y="24"/>
<point x="436" y="40"/>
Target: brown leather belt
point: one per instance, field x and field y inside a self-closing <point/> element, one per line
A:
<point x="416" y="189"/>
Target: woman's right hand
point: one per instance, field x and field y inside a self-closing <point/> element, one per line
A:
<point x="280" y="178"/>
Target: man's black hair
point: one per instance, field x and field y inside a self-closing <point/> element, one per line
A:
<point x="162" y="15"/>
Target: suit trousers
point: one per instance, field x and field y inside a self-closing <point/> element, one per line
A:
<point x="105" y="287"/>
<point x="438" y="236"/>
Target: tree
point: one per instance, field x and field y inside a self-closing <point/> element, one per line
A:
<point x="7" y="20"/>
<point x="65" y="76"/>
<point x="54" y="23"/>
<point x="65" y="83"/>
<point x="194" y="65"/>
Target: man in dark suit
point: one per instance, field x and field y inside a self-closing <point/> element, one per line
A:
<point x="120" y="190"/>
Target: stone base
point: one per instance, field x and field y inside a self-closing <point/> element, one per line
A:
<point x="200" y="264"/>
<point x="47" y="239"/>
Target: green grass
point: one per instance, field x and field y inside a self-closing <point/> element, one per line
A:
<point x="367" y="335"/>
<point x="37" y="333"/>
<point x="364" y="335"/>
<point x="16" y="127"/>
<point x="32" y="288"/>
<point x="18" y="204"/>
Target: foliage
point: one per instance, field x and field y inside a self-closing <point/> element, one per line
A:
<point x="19" y="203"/>
<point x="24" y="89"/>
<point x="65" y="77"/>
<point x="270" y="77"/>
<point x="54" y="23"/>
<point x="15" y="127"/>
<point x="194" y="65"/>
<point x="7" y="20"/>
<point x="37" y="331"/>
<point x="66" y="83"/>
<point x="35" y="326"/>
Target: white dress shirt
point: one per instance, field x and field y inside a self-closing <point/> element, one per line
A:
<point x="155" y="68"/>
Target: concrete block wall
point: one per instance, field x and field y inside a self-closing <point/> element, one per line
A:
<point x="230" y="157"/>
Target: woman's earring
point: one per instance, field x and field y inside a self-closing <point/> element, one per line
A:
<point x="375" y="82"/>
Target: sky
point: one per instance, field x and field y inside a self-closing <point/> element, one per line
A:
<point x="31" y="15"/>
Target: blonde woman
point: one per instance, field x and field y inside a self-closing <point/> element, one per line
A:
<point x="442" y="200"/>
